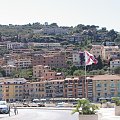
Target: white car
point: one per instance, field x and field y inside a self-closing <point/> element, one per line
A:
<point x="4" y="108"/>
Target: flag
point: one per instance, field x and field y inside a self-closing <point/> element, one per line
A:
<point x="90" y="59"/>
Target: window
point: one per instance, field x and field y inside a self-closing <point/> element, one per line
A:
<point x="20" y="90"/>
<point x="70" y="81"/>
<point x="16" y="90"/>
<point x="98" y="94"/>
<point x="16" y="86"/>
<point x="7" y="90"/>
<point x="105" y="94"/>
<point x="75" y="81"/>
<point x="112" y="94"/>
<point x="105" y="88"/>
<point x="105" y="85"/>
<point x="112" y="85"/>
<point x="70" y="89"/>
<point x="98" y="85"/>
<point x="66" y="81"/>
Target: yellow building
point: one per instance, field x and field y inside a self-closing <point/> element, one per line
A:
<point x="12" y="89"/>
<point x="105" y="86"/>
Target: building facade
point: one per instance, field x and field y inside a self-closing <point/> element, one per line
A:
<point x="78" y="58"/>
<point x="114" y="63"/>
<point x="105" y="86"/>
<point x="54" y="60"/>
<point x="12" y="89"/>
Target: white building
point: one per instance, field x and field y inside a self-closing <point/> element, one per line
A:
<point x="78" y="58"/>
<point x="13" y="45"/>
<point x="115" y="63"/>
<point x="20" y="63"/>
<point x="9" y="69"/>
<point x="47" y="45"/>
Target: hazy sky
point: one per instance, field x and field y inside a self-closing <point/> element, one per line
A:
<point x="104" y="13"/>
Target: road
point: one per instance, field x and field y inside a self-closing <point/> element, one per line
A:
<point x="45" y="114"/>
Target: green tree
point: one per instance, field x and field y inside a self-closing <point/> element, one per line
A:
<point x="117" y="70"/>
<point x="78" y="72"/>
<point x="2" y="73"/>
<point x="100" y="63"/>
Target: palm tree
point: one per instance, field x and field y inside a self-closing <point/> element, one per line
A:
<point x="84" y="107"/>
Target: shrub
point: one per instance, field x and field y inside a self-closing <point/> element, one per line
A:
<point x="84" y="107"/>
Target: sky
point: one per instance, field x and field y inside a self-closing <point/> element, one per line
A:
<point x="103" y="13"/>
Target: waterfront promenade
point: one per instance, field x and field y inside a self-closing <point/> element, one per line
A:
<point x="53" y="113"/>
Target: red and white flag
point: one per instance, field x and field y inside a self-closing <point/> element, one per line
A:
<point x="90" y="59"/>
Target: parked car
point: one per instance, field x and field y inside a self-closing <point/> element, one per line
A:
<point x="4" y="108"/>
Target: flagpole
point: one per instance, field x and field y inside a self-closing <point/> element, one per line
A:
<point x="85" y="83"/>
<point x="89" y="60"/>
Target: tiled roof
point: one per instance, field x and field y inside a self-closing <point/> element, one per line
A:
<point x="106" y="77"/>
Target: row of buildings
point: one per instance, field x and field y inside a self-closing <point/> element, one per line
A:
<point x="57" y="59"/>
<point x="94" y="88"/>
<point x="108" y="53"/>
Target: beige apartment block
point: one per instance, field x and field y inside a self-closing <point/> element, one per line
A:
<point x="96" y="50"/>
<point x="2" y="61"/>
<point x="34" y="90"/>
<point x="45" y="73"/>
<point x="108" y="51"/>
<point x="105" y="86"/>
<point x="54" y="88"/>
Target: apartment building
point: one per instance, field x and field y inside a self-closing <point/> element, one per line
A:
<point x="9" y="69"/>
<point x="107" y="51"/>
<point x="78" y="88"/>
<point x="54" y="89"/>
<point x="2" y="61"/>
<point x="75" y="38"/>
<point x="78" y="58"/>
<point x="54" y="60"/>
<point x="1" y="88"/>
<point x="105" y="86"/>
<point x="45" y="73"/>
<point x="96" y="50"/>
<point x="12" y="89"/>
<point x="34" y="90"/>
<point x="67" y="88"/>
<point x="2" y="46"/>
<point x="21" y="50"/>
<point x="114" y="63"/>
<point x="54" y="31"/>
<point x="13" y="45"/>
<point x="20" y="63"/>
<point x="45" y="45"/>
<point x="1" y="93"/>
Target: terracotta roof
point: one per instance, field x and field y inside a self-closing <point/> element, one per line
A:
<point x="106" y="77"/>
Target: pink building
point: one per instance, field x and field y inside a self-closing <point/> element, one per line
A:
<point x="50" y="59"/>
<point x="45" y="73"/>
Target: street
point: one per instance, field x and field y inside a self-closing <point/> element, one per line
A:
<point x="47" y="114"/>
